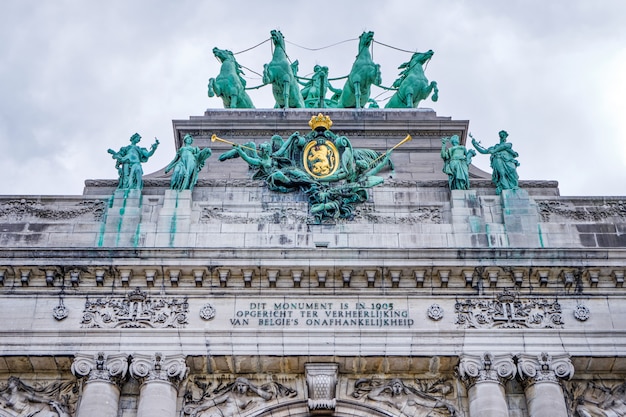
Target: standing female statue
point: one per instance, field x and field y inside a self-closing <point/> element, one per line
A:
<point x="456" y="161"/>
<point x="186" y="165"/>
<point x="503" y="163"/>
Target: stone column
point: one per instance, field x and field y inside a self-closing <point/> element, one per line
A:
<point x="540" y="377"/>
<point x="101" y="391"/>
<point x="485" y="377"/>
<point x="159" y="377"/>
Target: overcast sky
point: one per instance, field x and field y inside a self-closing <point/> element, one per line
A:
<point x="79" y="77"/>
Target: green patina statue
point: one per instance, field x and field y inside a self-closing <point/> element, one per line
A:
<point x="364" y="73"/>
<point x="456" y="161"/>
<point x="412" y="85"/>
<point x="186" y="165"/>
<point x="229" y="84"/>
<point x="503" y="163"/>
<point x="280" y="73"/>
<point x="334" y="176"/>
<point x="128" y="163"/>
<point x="315" y="89"/>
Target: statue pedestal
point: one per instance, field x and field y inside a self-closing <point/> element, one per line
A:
<point x="121" y="225"/>
<point x="174" y="222"/>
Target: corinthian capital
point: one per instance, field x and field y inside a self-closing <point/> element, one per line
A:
<point x="101" y="367"/>
<point x="487" y="367"/>
<point x="544" y="367"/>
<point x="158" y="367"/>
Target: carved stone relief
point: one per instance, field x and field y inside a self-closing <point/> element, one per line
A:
<point x="231" y="399"/>
<point x="54" y="399"/>
<point x="136" y="310"/>
<point x="20" y="209"/>
<point x="101" y="367"/>
<point x="508" y="311"/>
<point x="587" y="213"/>
<point x="321" y="381"/>
<point x="424" y="400"/>
<point x="596" y="398"/>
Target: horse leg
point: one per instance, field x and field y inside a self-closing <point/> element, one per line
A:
<point x="233" y="101"/>
<point x="211" y="87"/>
<point x="433" y="86"/>
<point x="409" y="100"/>
<point x="357" y="94"/>
<point x="286" y="93"/>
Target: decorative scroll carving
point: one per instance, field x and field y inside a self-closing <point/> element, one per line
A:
<point x="136" y="310"/>
<point x="423" y="401"/>
<point x="19" y="209"/>
<point x="278" y="216"/>
<point x="508" y="311"/>
<point x="368" y="213"/>
<point x="474" y="369"/>
<point x="158" y="367"/>
<point x="321" y="381"/>
<point x="596" y="399"/>
<point x="231" y="399"/>
<point x="101" y="367"/>
<point x="18" y="399"/>
<point x="592" y="211"/>
<point x="544" y="367"/>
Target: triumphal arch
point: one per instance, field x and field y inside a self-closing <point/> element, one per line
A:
<point x="333" y="255"/>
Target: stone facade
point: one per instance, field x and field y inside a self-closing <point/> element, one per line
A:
<point x="231" y="301"/>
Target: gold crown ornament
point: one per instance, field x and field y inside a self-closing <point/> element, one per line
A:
<point x="319" y="121"/>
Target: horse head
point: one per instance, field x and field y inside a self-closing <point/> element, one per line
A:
<point x="278" y="38"/>
<point x="421" y="57"/>
<point x="223" y="54"/>
<point x="365" y="40"/>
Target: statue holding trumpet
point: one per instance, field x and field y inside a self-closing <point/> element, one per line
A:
<point x="334" y="176"/>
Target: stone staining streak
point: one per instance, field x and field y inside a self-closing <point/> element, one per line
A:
<point x="508" y="311"/>
<point x="16" y="210"/>
<point x="136" y="310"/>
<point x="587" y="213"/>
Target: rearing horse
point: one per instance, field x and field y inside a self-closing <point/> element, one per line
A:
<point x="280" y="74"/>
<point x="229" y="84"/>
<point x="364" y="73"/>
<point x="412" y="84"/>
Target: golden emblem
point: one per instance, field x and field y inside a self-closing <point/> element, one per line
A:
<point x="320" y="121"/>
<point x="320" y="159"/>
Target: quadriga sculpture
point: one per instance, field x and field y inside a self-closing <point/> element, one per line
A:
<point x="280" y="74"/>
<point x="412" y="85"/>
<point x="364" y="73"/>
<point x="229" y="84"/>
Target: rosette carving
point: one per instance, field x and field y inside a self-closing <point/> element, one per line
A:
<point x="101" y="367"/>
<point x="486" y="368"/>
<point x="158" y="367"/>
<point x="544" y="367"/>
